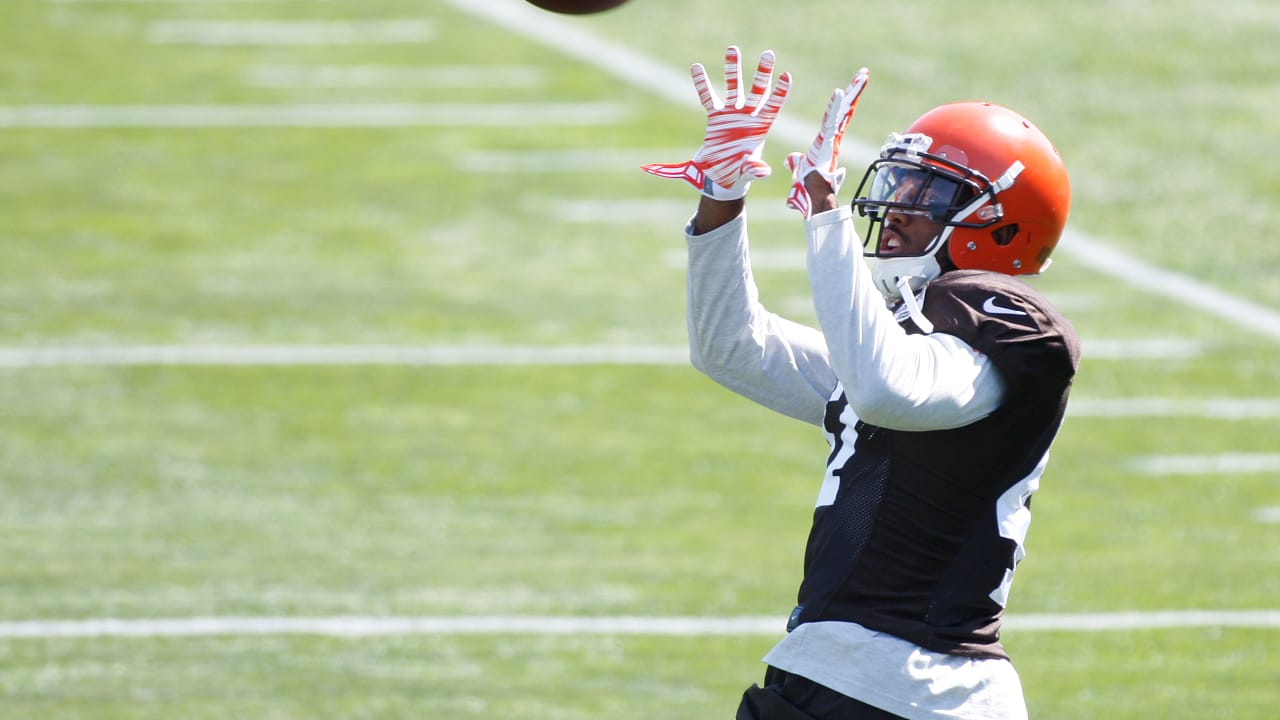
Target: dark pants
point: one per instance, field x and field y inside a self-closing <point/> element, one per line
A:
<point x="791" y="697"/>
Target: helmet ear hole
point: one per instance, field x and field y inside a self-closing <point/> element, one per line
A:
<point x="1004" y="234"/>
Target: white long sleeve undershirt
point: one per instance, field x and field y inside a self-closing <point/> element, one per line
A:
<point x="891" y="379"/>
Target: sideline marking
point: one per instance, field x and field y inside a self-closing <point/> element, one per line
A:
<point x="320" y="115"/>
<point x="359" y="626"/>
<point x="640" y="70"/>
<point x="291" y="32"/>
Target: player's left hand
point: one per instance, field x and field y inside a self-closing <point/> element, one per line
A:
<point x="823" y="156"/>
<point x="730" y="156"/>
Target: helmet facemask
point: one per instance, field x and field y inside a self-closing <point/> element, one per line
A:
<point x="909" y="180"/>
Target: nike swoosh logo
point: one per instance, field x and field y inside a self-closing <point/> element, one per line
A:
<point x="991" y="308"/>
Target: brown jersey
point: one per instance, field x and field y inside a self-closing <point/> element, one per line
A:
<point x="926" y="528"/>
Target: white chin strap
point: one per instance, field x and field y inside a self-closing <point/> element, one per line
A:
<point x="913" y="306"/>
<point x="892" y="273"/>
<point x="900" y="278"/>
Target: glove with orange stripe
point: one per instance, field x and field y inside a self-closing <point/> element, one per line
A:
<point x="730" y="156"/>
<point x="823" y="156"/>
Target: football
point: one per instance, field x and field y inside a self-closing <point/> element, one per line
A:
<point x="577" y="7"/>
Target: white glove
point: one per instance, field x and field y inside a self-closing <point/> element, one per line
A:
<point x="729" y="158"/>
<point x="823" y="156"/>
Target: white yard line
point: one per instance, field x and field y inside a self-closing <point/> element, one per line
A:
<point x="1156" y="348"/>
<point x="193" y="2"/>
<point x="576" y="41"/>
<point x="1136" y="272"/>
<point x="768" y="259"/>
<point x="565" y="160"/>
<point x="398" y="77"/>
<point x="666" y="213"/>
<point x="292" y="32"/>
<point x="462" y="355"/>
<point x="362" y="626"/>
<point x="320" y="115"/>
<point x="448" y="355"/>
<point x="1150" y="620"/>
<point x="1220" y="464"/>
<point x="1215" y="408"/>
<point x="365" y="626"/>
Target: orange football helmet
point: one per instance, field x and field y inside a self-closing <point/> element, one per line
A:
<point x="987" y="174"/>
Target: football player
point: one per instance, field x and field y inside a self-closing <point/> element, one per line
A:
<point x="938" y="378"/>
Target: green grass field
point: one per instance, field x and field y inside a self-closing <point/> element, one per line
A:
<point x="189" y="243"/>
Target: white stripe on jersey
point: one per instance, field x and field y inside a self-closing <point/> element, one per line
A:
<point x="848" y="438"/>
<point x="1013" y="517"/>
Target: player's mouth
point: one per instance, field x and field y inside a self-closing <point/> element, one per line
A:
<point x="890" y="240"/>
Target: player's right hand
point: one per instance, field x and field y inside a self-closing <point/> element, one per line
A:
<point x="730" y="156"/>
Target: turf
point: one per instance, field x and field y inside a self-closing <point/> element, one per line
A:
<point x="179" y="491"/>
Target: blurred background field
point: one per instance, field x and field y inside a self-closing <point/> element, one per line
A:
<point x="362" y="309"/>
